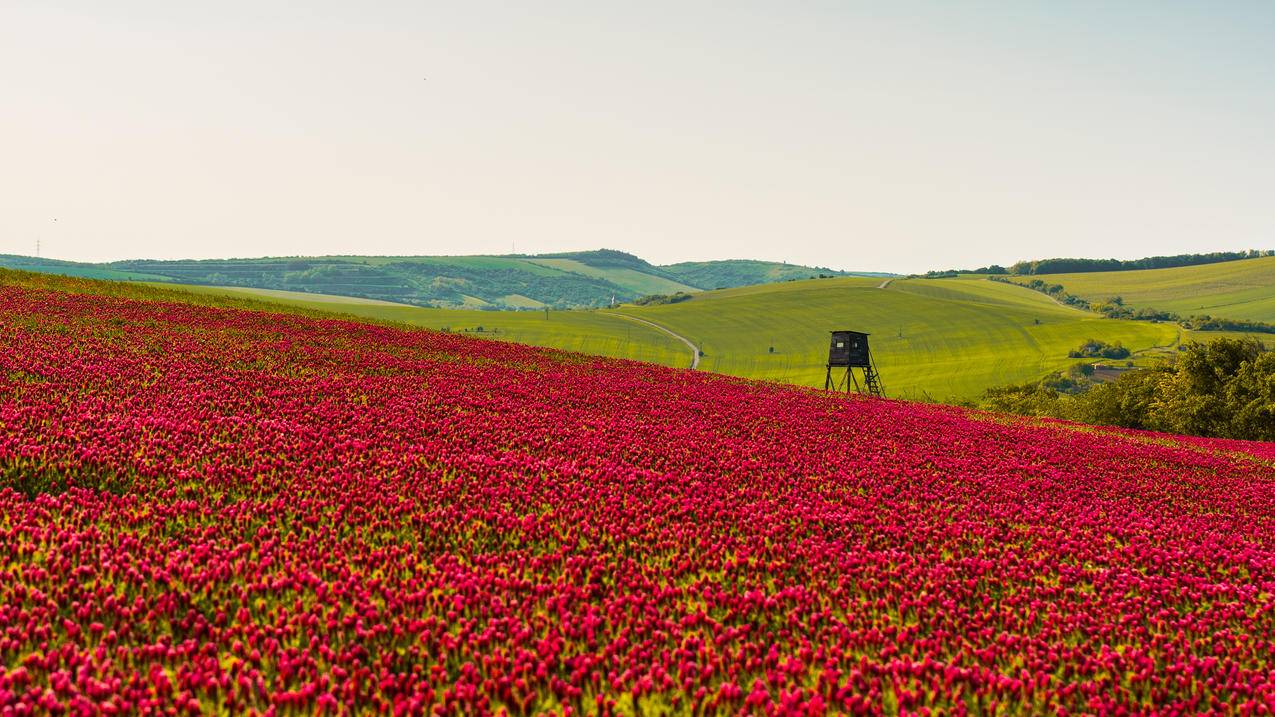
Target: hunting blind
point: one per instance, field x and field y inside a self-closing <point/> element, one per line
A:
<point x="849" y="350"/>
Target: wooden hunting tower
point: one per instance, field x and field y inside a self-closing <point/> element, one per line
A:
<point x="849" y="350"/>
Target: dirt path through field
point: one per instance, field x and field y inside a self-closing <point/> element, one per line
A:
<point x="694" y="349"/>
<point x="884" y="284"/>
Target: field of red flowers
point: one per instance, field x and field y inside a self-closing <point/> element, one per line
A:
<point x="207" y="509"/>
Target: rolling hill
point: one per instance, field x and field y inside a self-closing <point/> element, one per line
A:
<point x="942" y="338"/>
<point x="1243" y="289"/>
<point x="732" y="273"/>
<point x="570" y="280"/>
<point x="938" y="338"/>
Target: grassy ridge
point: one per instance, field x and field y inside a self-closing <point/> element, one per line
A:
<point x="733" y="273"/>
<point x="1243" y="289"/>
<point x="948" y="338"/>
<point x="588" y="279"/>
<point x="634" y="279"/>
<point x="942" y="338"/>
<point x="959" y="336"/>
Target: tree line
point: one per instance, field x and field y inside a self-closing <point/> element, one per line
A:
<point x="1069" y="266"/>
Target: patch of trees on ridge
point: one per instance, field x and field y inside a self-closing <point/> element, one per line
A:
<point x="1070" y="266"/>
<point x="994" y="269"/>
<point x="659" y="299"/>
<point x="1223" y="389"/>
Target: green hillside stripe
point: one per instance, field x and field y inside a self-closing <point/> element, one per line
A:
<point x="958" y="336"/>
<point x="942" y="338"/>
<point x="1243" y="289"/>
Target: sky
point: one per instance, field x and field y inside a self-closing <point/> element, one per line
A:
<point x="900" y="136"/>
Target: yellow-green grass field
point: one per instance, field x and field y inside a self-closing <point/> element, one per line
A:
<point x="1243" y="289"/>
<point x="938" y="338"/>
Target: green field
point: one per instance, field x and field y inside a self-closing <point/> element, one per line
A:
<point x="937" y="338"/>
<point x="932" y="338"/>
<point x="941" y="338"/>
<point x="639" y="282"/>
<point x="1243" y="289"/>
<point x="731" y="273"/>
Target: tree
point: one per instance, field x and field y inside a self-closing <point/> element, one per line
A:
<point x="1251" y="397"/>
<point x="1195" y="400"/>
<point x="1129" y="401"/>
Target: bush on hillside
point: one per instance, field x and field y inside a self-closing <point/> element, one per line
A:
<point x="1094" y="348"/>
<point x="1028" y="399"/>
<point x="658" y="299"/>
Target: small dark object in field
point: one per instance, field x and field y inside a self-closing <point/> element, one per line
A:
<point x="849" y="350"/>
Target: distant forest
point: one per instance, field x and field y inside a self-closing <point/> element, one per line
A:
<point x="1072" y="266"/>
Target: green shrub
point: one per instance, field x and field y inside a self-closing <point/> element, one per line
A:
<point x="658" y="299"/>
<point x="1224" y="389"/>
<point x="1094" y="348"/>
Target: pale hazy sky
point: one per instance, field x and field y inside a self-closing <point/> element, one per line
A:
<point x="878" y="136"/>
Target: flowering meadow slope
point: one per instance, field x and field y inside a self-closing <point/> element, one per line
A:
<point x="208" y="510"/>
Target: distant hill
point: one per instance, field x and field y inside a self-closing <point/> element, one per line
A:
<point x="733" y="273"/>
<point x="1072" y="266"/>
<point x="1240" y="289"/>
<point x="73" y="268"/>
<point x="1094" y="266"/>
<point x="941" y="338"/>
<point x="586" y="279"/>
<point x="944" y="338"/>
